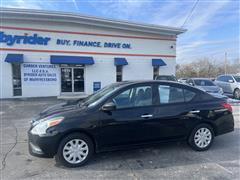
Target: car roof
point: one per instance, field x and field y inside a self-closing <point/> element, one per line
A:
<point x="201" y="79"/>
<point x="124" y="84"/>
<point x="149" y="81"/>
<point x="227" y="75"/>
<point x="181" y="85"/>
<point x="164" y="75"/>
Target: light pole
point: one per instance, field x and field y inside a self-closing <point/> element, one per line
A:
<point x="225" y="63"/>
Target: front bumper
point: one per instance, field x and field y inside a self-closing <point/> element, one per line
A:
<point x="43" y="146"/>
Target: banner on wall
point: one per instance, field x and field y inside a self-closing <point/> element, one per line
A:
<point x="39" y="74"/>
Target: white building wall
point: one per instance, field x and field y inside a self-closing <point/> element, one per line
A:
<point x="170" y="68"/>
<point x="6" y="83"/>
<point x="138" y="68"/>
<point x="102" y="71"/>
<point x="33" y="90"/>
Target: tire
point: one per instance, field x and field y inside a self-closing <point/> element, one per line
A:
<point x="74" y="150"/>
<point x="236" y="94"/>
<point x="195" y="140"/>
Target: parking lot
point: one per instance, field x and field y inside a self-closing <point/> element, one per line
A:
<point x="166" y="161"/>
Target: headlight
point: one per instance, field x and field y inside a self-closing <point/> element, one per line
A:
<point x="44" y="124"/>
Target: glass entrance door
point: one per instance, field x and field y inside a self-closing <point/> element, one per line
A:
<point x="78" y="77"/>
<point x="72" y="80"/>
<point x="66" y="79"/>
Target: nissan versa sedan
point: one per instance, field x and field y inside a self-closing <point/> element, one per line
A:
<point x="128" y="115"/>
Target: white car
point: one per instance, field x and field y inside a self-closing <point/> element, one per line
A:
<point x="230" y="84"/>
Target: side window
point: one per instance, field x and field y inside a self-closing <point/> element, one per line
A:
<point x="16" y="75"/>
<point x="119" y="73"/>
<point x="169" y="94"/>
<point x="220" y="78"/>
<point x="223" y="78"/>
<point x="134" y="97"/>
<point x="189" y="95"/>
<point x="227" y="78"/>
<point x="155" y="72"/>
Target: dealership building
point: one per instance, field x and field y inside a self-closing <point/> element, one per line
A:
<point x="62" y="54"/>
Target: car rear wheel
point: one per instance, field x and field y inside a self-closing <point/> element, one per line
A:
<point x="201" y="137"/>
<point x="75" y="150"/>
<point x="236" y="94"/>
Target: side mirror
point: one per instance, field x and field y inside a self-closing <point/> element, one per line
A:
<point x="191" y="84"/>
<point x="230" y="81"/>
<point x="110" y="106"/>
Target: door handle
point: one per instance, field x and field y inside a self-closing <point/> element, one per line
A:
<point x="194" y="111"/>
<point x="146" y="115"/>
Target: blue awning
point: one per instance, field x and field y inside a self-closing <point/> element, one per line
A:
<point x="71" y="60"/>
<point x="158" y="62"/>
<point x="12" y="58"/>
<point x="120" y="61"/>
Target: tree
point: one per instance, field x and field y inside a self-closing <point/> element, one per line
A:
<point x="206" y="68"/>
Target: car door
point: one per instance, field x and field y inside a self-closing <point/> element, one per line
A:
<point x="171" y="112"/>
<point x="221" y="82"/>
<point x="128" y="123"/>
<point x="228" y="84"/>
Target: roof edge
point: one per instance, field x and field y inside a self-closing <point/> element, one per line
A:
<point x="56" y="16"/>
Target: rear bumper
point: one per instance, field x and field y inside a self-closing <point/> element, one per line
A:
<point x="225" y="125"/>
<point x="42" y="146"/>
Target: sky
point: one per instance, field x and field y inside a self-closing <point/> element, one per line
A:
<point x="213" y="26"/>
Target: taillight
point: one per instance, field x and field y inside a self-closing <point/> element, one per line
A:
<point x="227" y="106"/>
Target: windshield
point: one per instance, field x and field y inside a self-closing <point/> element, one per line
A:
<point x="203" y="82"/>
<point x="99" y="95"/>
<point x="237" y="78"/>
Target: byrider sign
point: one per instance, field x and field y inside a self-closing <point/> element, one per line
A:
<point x="36" y="39"/>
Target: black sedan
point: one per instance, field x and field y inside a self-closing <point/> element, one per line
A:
<point x="127" y="115"/>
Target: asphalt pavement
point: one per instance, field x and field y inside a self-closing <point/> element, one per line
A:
<point x="165" y="161"/>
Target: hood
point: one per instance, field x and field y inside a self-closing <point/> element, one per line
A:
<point x="59" y="108"/>
<point x="209" y="89"/>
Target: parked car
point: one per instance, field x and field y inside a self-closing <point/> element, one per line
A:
<point x="206" y="85"/>
<point x="230" y="85"/>
<point x="166" y="78"/>
<point x="127" y="115"/>
<point x="182" y="80"/>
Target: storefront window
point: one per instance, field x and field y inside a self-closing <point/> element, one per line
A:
<point x="17" y="84"/>
<point x="119" y="73"/>
<point x="155" y="71"/>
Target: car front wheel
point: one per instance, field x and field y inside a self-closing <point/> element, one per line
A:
<point x="201" y="137"/>
<point x="75" y="150"/>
